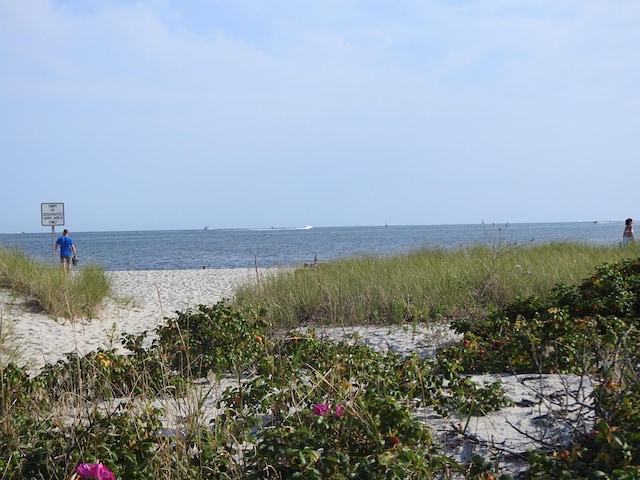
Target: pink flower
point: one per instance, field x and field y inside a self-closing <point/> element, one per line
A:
<point x="95" y="471"/>
<point x="339" y="411"/>
<point x="321" y="409"/>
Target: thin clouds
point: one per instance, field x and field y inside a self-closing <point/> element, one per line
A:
<point x="232" y="87"/>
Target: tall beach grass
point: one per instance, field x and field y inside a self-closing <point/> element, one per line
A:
<point x="48" y="288"/>
<point x="423" y="285"/>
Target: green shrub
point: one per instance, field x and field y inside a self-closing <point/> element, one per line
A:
<point x="220" y="338"/>
<point x="375" y="438"/>
<point x="592" y="328"/>
<point x="321" y="409"/>
<point x="570" y="329"/>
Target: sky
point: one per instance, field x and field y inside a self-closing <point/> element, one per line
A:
<point x="181" y="114"/>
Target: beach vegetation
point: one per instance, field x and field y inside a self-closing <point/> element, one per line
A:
<point x="302" y="408"/>
<point x="10" y="345"/>
<point x="216" y="338"/>
<point x="48" y="289"/>
<point x="422" y="286"/>
<point x="269" y="402"/>
<point x="568" y="330"/>
<point x="590" y="329"/>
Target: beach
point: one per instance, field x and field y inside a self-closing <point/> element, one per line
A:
<point x="545" y="410"/>
<point x="142" y="300"/>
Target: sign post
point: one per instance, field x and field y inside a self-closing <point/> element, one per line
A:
<point x="52" y="214"/>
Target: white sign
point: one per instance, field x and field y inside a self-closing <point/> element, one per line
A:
<point x="52" y="214"/>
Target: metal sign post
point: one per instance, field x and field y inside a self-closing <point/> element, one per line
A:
<point x="52" y="214"/>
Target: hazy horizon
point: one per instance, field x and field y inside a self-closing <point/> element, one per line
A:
<point x="58" y="229"/>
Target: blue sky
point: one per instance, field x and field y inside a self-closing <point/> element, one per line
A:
<point x="179" y="114"/>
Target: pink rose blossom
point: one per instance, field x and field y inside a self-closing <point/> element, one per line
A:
<point x="321" y="409"/>
<point x="95" y="471"/>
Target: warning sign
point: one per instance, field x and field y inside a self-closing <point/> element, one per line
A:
<point x="52" y="214"/>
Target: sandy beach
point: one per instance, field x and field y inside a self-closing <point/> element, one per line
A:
<point x="143" y="299"/>
<point x="545" y="410"/>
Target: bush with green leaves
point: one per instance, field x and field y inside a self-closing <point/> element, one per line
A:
<point x="296" y="381"/>
<point x="593" y="329"/>
<point x="611" y="450"/>
<point x="571" y="329"/>
<point x="218" y="338"/>
<point x="107" y="374"/>
<point x="125" y="442"/>
<point x="322" y="409"/>
<point x="375" y="437"/>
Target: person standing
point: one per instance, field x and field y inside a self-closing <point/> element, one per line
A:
<point x="67" y="249"/>
<point x="627" y="235"/>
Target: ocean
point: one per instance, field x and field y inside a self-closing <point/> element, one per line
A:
<point x="290" y="247"/>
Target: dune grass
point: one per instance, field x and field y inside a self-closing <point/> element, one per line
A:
<point x="423" y="285"/>
<point x="48" y="288"/>
<point x="10" y="346"/>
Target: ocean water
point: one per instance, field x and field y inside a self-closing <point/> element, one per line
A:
<point x="286" y="247"/>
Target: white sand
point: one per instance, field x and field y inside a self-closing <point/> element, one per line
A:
<point x="546" y="409"/>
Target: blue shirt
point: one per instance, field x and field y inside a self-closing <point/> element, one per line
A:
<point x="65" y="246"/>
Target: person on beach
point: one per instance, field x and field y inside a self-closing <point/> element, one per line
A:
<point x="627" y="235"/>
<point x="67" y="249"/>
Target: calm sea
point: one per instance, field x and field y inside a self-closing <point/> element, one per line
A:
<point x="246" y="248"/>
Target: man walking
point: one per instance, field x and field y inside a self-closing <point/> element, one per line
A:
<point x="67" y="249"/>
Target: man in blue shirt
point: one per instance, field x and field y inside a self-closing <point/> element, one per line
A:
<point x="67" y="248"/>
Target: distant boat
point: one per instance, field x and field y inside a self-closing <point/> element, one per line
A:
<point x="206" y="228"/>
<point x="306" y="227"/>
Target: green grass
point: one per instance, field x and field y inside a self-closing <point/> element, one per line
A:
<point x="48" y="288"/>
<point x="423" y="285"/>
<point x="10" y="346"/>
